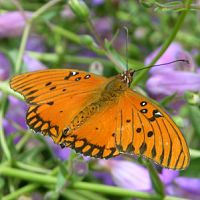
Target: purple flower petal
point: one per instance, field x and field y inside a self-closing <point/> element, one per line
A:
<point x="175" y="190"/>
<point x="170" y="82"/>
<point x="15" y="115"/>
<point x="5" y="67"/>
<point x="104" y="177"/>
<point x="62" y="154"/>
<point x="35" y="43"/>
<point x="80" y="167"/>
<point x="168" y="176"/>
<point x="174" y="52"/>
<point x="32" y="64"/>
<point x="97" y="2"/>
<point x="189" y="184"/>
<point x="128" y="175"/>
<point x="12" y="23"/>
<point x="104" y="26"/>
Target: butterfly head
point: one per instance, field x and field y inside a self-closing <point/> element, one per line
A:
<point x="127" y="76"/>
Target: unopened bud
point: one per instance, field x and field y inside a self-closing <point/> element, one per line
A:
<point x="80" y="9"/>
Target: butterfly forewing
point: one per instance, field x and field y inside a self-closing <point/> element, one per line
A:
<point x="56" y="97"/>
<point x="45" y="86"/>
<point x="145" y="129"/>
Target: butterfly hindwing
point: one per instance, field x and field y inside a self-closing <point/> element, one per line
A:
<point x="95" y="137"/>
<point x="145" y="129"/>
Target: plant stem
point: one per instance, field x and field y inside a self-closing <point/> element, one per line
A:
<point x="74" y="38"/>
<point x="195" y="153"/>
<point x="47" y="179"/>
<point x="24" y="190"/>
<point x="166" y="43"/>
<point x="27" y="29"/>
<point x="3" y="142"/>
<point x="102" y="46"/>
<point x="52" y="57"/>
<point x="22" y="47"/>
<point x="4" y="87"/>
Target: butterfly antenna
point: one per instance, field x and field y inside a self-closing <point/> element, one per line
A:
<point x="180" y="60"/>
<point x="126" y="30"/>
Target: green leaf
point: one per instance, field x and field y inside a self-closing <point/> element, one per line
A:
<point x="193" y="169"/>
<point x="62" y="176"/>
<point x="194" y="115"/>
<point x="157" y="183"/>
<point x="167" y="100"/>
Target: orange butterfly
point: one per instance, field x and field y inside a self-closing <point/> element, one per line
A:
<point x="100" y="117"/>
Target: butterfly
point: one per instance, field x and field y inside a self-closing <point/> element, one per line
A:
<point x="100" y="117"/>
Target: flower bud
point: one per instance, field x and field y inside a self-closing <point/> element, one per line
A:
<point x="87" y="40"/>
<point x="147" y="3"/>
<point x="80" y="9"/>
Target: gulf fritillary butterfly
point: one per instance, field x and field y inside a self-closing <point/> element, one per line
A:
<point x="100" y="117"/>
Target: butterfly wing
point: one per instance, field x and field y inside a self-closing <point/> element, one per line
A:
<point x="145" y="129"/>
<point x="47" y="86"/>
<point x="96" y="137"/>
<point x="56" y="96"/>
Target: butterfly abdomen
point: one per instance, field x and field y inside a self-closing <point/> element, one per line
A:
<point x="82" y="116"/>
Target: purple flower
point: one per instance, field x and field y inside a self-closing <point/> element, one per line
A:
<point x="15" y="115"/>
<point x="103" y="27"/>
<point x="36" y="43"/>
<point x="180" y="186"/>
<point x="97" y="2"/>
<point x="128" y="174"/>
<point x="174" y="52"/>
<point x="12" y="23"/>
<point x="104" y="177"/>
<point x="32" y="64"/>
<point x="189" y="184"/>
<point x="62" y="154"/>
<point x="80" y="167"/>
<point x="167" y="176"/>
<point x="173" y="78"/>
<point x="5" y="67"/>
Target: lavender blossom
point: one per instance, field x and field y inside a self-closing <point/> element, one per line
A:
<point x="15" y="115"/>
<point x="12" y="23"/>
<point x="176" y="185"/>
<point x="173" y="78"/>
<point x="128" y="175"/>
<point x="62" y="154"/>
<point x="34" y="43"/>
<point x="32" y="64"/>
<point x="97" y="2"/>
<point x="5" y="67"/>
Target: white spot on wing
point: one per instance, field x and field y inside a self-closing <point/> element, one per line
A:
<point x="74" y="73"/>
<point x="158" y="114"/>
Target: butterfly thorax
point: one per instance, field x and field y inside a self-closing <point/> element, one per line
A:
<point x="109" y="95"/>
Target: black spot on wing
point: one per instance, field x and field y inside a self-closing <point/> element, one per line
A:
<point x="49" y="83"/>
